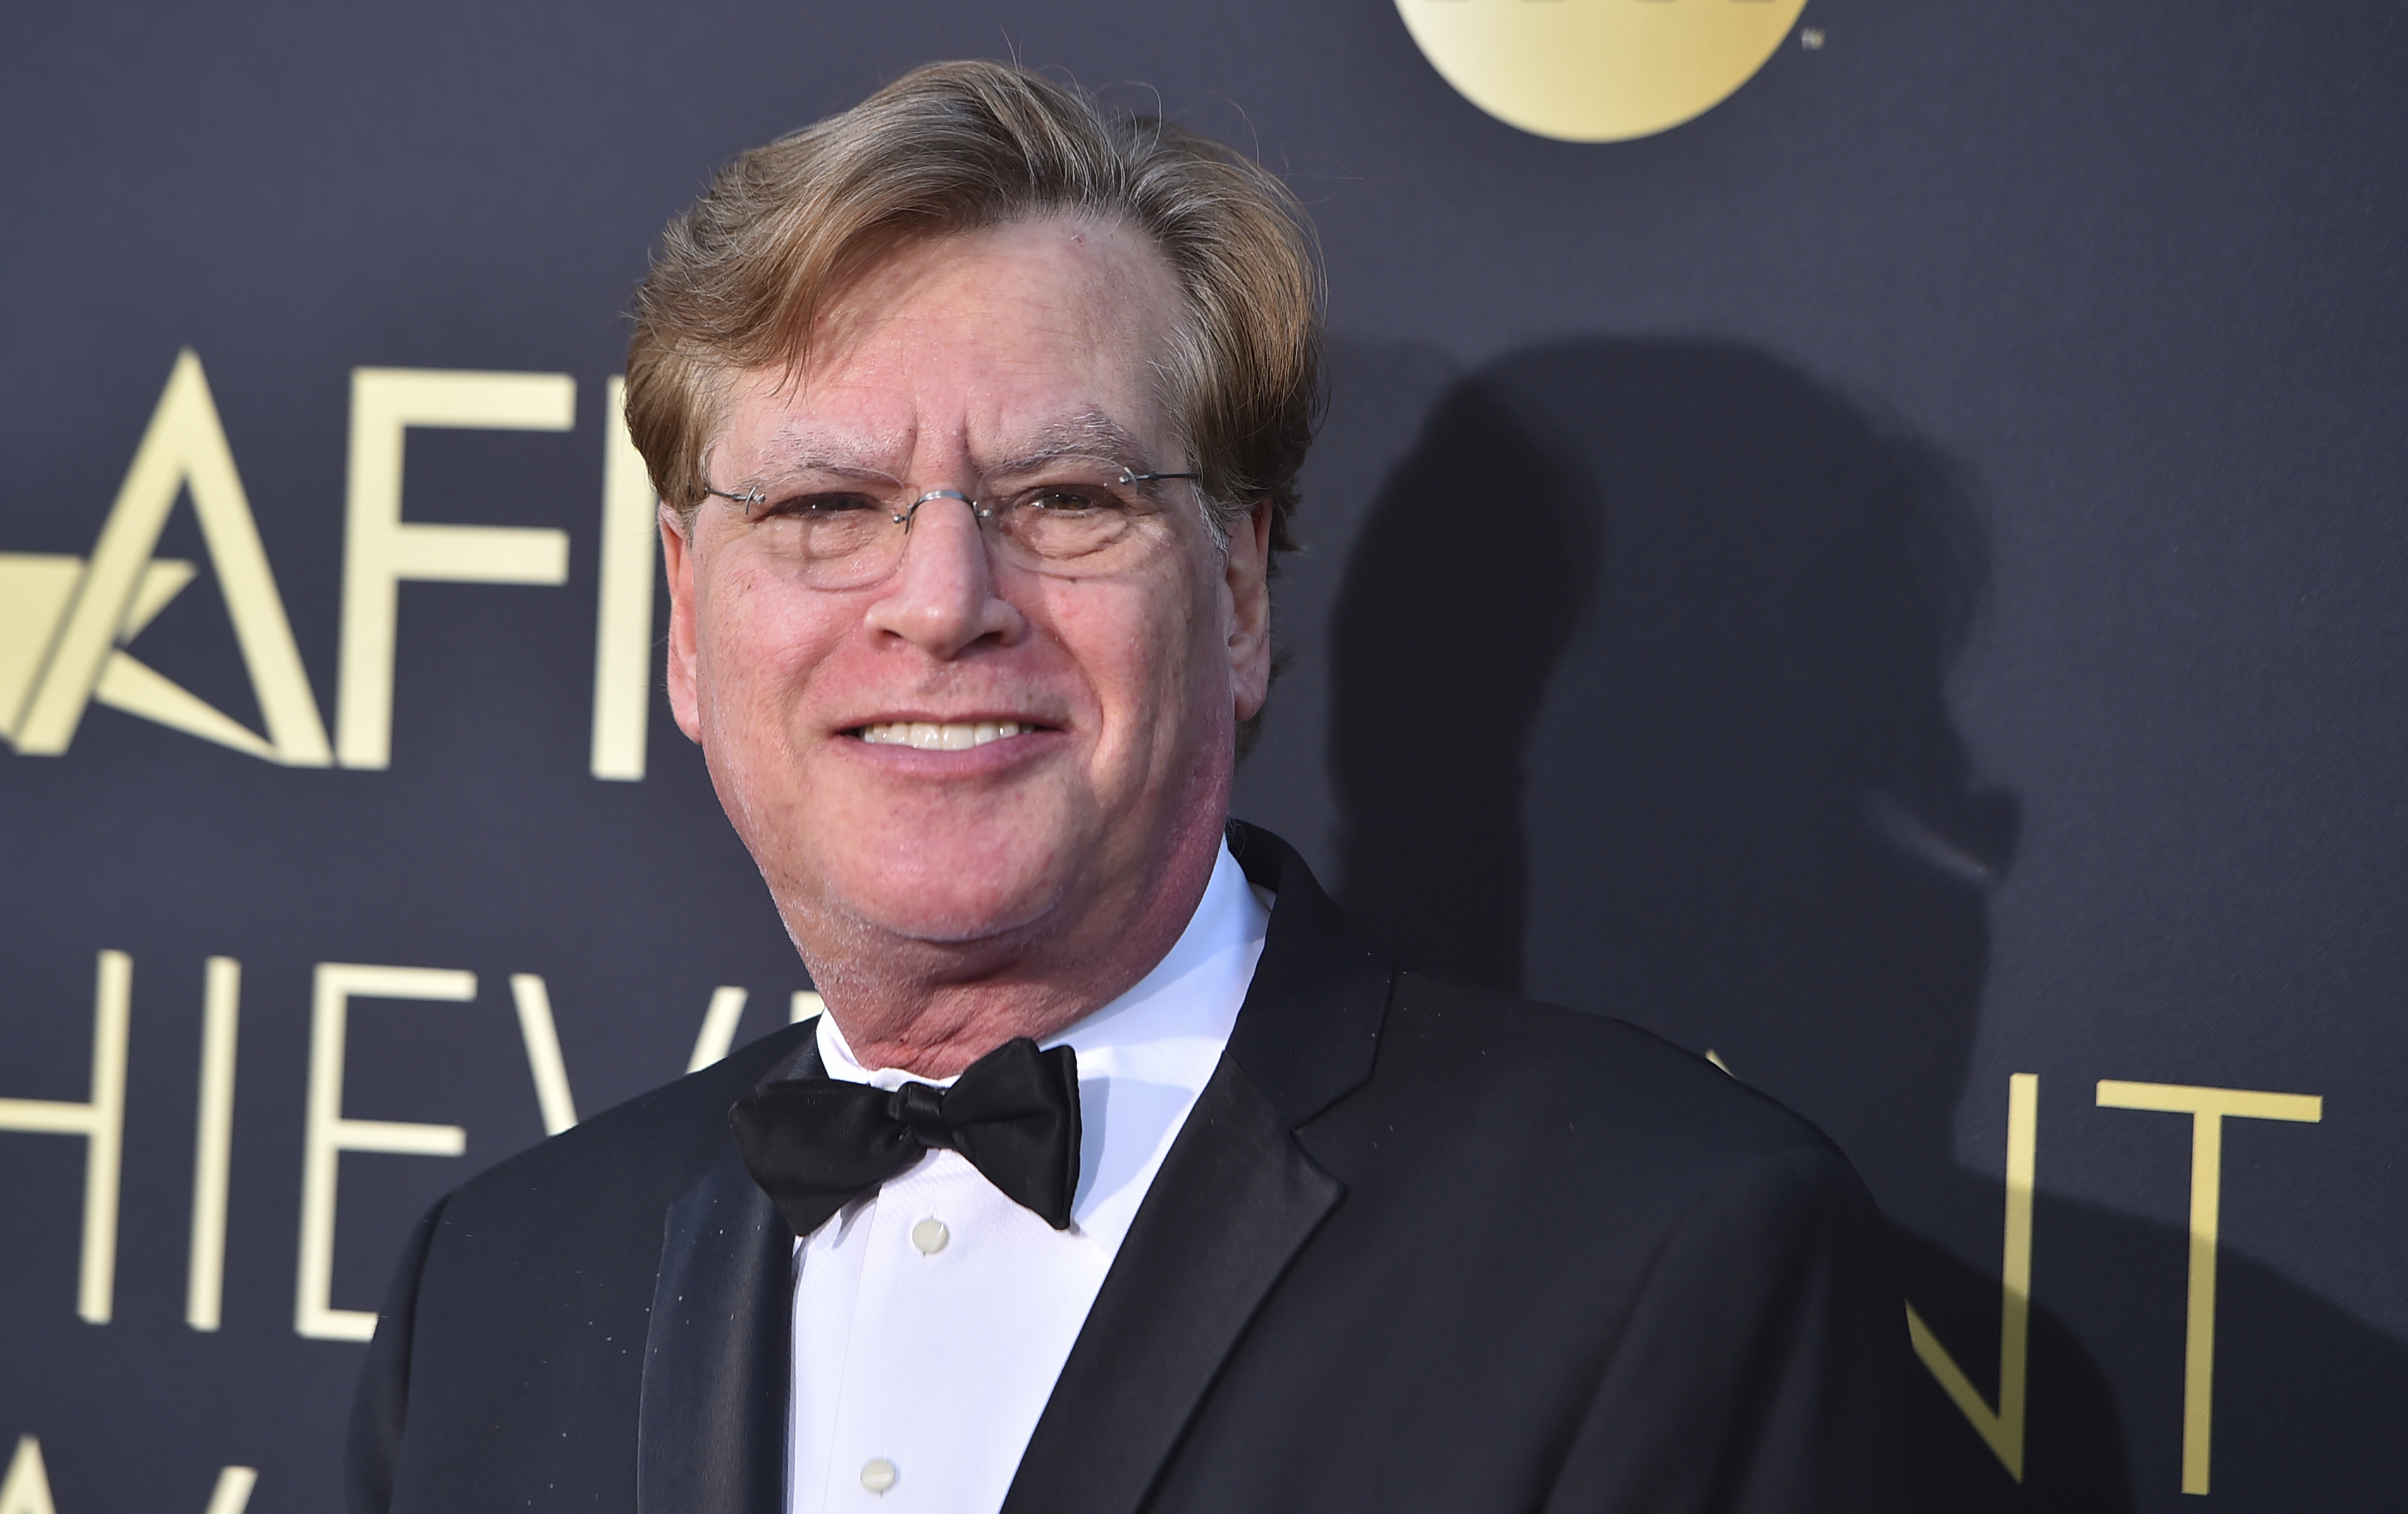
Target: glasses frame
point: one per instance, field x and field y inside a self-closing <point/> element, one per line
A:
<point x="982" y="510"/>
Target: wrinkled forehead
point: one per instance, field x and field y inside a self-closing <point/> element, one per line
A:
<point x="1006" y="345"/>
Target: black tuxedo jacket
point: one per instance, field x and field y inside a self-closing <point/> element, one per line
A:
<point x="1418" y="1247"/>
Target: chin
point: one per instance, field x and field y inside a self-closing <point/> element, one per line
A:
<point x="946" y="899"/>
<point x="956" y="921"/>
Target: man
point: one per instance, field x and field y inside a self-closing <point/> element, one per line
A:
<point x="1123" y="1170"/>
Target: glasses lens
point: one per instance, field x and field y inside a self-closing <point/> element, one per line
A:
<point x="1072" y="528"/>
<point x="1065" y="527"/>
<point x="841" y="547"/>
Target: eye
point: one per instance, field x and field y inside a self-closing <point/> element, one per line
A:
<point x="1070" y="499"/>
<point x="820" y="504"/>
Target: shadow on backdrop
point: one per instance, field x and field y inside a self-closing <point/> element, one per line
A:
<point x="1482" y="530"/>
<point x="1639" y="704"/>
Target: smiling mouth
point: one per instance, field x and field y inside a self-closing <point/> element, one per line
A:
<point x="926" y="735"/>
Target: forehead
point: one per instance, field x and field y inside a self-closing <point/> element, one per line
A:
<point x="978" y="348"/>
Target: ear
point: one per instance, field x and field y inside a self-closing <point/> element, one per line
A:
<point x="676" y="555"/>
<point x="1246" y="577"/>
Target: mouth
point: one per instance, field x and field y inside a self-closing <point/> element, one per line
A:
<point x="929" y="735"/>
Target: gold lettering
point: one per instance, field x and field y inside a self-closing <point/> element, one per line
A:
<point x="26" y="1490"/>
<point x="719" y="1024"/>
<point x="543" y="1038"/>
<point x="2207" y="1108"/>
<point x="102" y="1124"/>
<point x="232" y="1495"/>
<point x="329" y="1133"/>
<point x="623" y="631"/>
<point x="380" y="550"/>
<point x="212" y="1144"/>
<point x="2002" y="1428"/>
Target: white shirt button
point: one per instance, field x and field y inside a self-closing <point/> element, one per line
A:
<point x="929" y="1235"/>
<point x="878" y="1475"/>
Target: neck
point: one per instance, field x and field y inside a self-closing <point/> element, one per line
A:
<point x="932" y="1009"/>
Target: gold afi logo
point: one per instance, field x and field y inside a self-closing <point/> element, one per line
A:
<point x="1597" y="70"/>
<point x="65" y="622"/>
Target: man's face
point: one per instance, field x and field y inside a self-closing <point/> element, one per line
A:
<point x="953" y="364"/>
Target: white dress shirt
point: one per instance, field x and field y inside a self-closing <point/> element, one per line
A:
<point x="932" y="1318"/>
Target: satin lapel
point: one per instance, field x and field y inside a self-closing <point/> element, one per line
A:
<point x="1311" y="1024"/>
<point x="710" y="1436"/>
<point x="1235" y="1199"/>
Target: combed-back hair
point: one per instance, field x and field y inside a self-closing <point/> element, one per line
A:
<point x="740" y="278"/>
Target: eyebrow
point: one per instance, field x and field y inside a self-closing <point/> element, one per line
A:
<point x="793" y="453"/>
<point x="1092" y="435"/>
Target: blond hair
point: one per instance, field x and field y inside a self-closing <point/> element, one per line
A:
<point x="740" y="278"/>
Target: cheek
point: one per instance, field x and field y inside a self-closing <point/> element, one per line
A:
<point x="1147" y="651"/>
<point x="757" y="640"/>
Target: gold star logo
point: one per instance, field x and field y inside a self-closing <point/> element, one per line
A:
<point x="65" y="620"/>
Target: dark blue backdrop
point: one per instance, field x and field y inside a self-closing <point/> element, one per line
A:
<point x="1944" y="624"/>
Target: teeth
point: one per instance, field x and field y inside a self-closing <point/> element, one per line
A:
<point x="924" y="735"/>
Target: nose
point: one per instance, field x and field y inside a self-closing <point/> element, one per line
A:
<point x="941" y="595"/>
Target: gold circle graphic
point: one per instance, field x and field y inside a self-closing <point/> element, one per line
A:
<point x="1597" y="70"/>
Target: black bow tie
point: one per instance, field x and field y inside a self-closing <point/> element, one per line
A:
<point x="814" y="1144"/>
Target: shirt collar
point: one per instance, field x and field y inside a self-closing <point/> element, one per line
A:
<point x="1145" y="1057"/>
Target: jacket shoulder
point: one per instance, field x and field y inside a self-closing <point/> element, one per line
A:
<point x="508" y="1365"/>
<point x="632" y="1159"/>
<point x="1509" y="1072"/>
